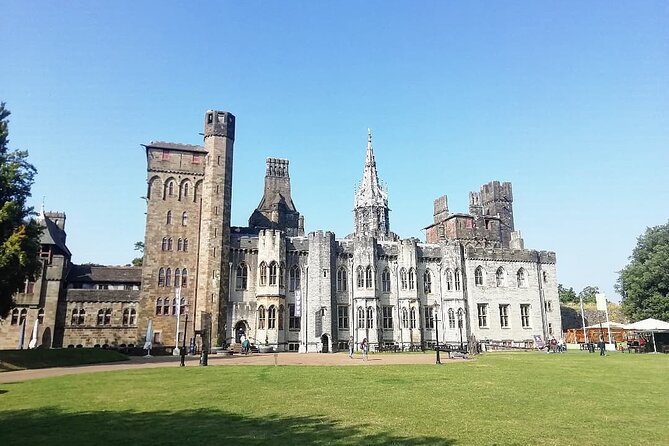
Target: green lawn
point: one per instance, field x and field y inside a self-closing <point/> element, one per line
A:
<point x="41" y="358"/>
<point x="499" y="398"/>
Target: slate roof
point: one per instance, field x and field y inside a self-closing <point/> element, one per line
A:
<point x="105" y="274"/>
<point x="174" y="146"/>
<point x="53" y="235"/>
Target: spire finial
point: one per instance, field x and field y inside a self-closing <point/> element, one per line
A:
<point x="369" y="134"/>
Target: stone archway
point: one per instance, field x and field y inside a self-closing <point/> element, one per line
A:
<point x="325" y="344"/>
<point x="241" y="328"/>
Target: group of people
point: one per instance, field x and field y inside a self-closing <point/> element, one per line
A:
<point x="555" y="346"/>
<point x="364" y="347"/>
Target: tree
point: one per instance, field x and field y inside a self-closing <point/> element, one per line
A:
<point x="588" y="294"/>
<point x="566" y="295"/>
<point x="644" y="282"/>
<point x="19" y="232"/>
<point x="139" y="261"/>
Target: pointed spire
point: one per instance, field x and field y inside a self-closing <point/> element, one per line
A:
<point x="371" y="199"/>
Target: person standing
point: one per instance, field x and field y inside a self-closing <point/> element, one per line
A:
<point x="351" y="347"/>
<point x="365" y="349"/>
<point x="602" y="347"/>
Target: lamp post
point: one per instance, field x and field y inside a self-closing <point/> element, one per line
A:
<point x="183" y="344"/>
<point x="177" y="298"/>
<point x="460" y="326"/>
<point x="436" y="327"/>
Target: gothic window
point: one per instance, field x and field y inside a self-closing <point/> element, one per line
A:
<point x="170" y="188"/>
<point x="544" y="275"/>
<point x="429" y="317"/>
<point x="449" y="280"/>
<point x="405" y="318"/>
<point x="174" y="306"/>
<point x="460" y="317"/>
<point x="180" y="245"/>
<point x="451" y="318"/>
<point x="184" y="219"/>
<point x="126" y="317"/>
<point x="478" y="276"/>
<point x="271" y="317"/>
<point x="169" y="244"/>
<point x="387" y="318"/>
<point x="272" y="273"/>
<point x="22" y="316"/>
<point x="177" y="277"/>
<point x="185" y="190"/>
<point x="370" y="317"/>
<point x="242" y="277"/>
<point x="342" y="317"/>
<point x="294" y="278"/>
<point x="166" y="307"/>
<point x="427" y="282"/>
<point x="368" y="277"/>
<point x="521" y="278"/>
<point x="293" y="321"/>
<point x="168" y="219"/>
<point x="133" y="316"/>
<point x="15" y="316"/>
<point x="412" y="279"/>
<point x="101" y="317"/>
<point x="360" y="277"/>
<point x="412" y="320"/>
<point x="361" y="317"/>
<point x="164" y="245"/>
<point x="385" y="280"/>
<point x="282" y="275"/>
<point x="403" y="279"/>
<point x="342" y="279"/>
<point x="500" y="277"/>
<point x="261" y="317"/>
<point x="168" y="277"/>
<point x="73" y="319"/>
<point x="263" y="273"/>
<point x="184" y="278"/>
<point x="182" y="306"/>
<point x="161" y="277"/>
<point x="185" y="245"/>
<point x="280" y="317"/>
<point x="457" y="280"/>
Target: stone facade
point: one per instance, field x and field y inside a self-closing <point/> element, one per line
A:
<point x="301" y="292"/>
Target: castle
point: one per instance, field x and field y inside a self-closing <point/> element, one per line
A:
<point x="279" y="287"/>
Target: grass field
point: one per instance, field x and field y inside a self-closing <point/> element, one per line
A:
<point x="42" y="358"/>
<point x="500" y="398"/>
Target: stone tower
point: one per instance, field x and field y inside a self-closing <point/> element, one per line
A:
<point x="276" y="209"/>
<point x="497" y="199"/>
<point x="371" y="201"/>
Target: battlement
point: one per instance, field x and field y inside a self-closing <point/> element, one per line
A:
<point x="496" y="191"/>
<point x="219" y="123"/>
<point x="277" y="167"/>
<point x="440" y="208"/>
<point x="58" y="218"/>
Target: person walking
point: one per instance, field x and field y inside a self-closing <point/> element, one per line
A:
<point x="365" y="349"/>
<point x="351" y="347"/>
<point x="602" y="347"/>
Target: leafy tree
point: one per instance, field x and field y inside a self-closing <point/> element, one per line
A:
<point x="138" y="261"/>
<point x="19" y="233"/>
<point x="566" y="295"/>
<point x="644" y="282"/>
<point x="588" y="294"/>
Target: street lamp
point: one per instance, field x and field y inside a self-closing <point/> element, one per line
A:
<point x="460" y="326"/>
<point x="436" y="327"/>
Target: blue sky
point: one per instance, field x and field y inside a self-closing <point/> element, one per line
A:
<point x="567" y="100"/>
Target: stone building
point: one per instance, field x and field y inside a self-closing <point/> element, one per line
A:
<point x="305" y="292"/>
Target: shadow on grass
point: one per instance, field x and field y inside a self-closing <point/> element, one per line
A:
<point x="200" y="427"/>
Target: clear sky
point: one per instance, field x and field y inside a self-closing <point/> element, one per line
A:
<point x="567" y="100"/>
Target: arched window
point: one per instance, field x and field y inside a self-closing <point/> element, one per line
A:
<point x="174" y="306"/>
<point x="82" y="316"/>
<point x="261" y="318"/>
<point x="451" y="318"/>
<point x="164" y="245"/>
<point x="294" y="279"/>
<point x="73" y="320"/>
<point x="184" y="219"/>
<point x="544" y="275"/>
<point x="161" y="277"/>
<point x="370" y="317"/>
<point x="168" y="277"/>
<point x="159" y="306"/>
<point x="457" y="280"/>
<point x="360" y="276"/>
<point x="412" y="319"/>
<point x="170" y="188"/>
<point x="126" y="317"/>
<point x="403" y="279"/>
<point x="108" y="313"/>
<point x="263" y="273"/>
<point x="361" y="317"/>
<point x="478" y="276"/>
<point x="460" y="317"/>
<point x="168" y="219"/>
<point x="40" y="316"/>
<point x="101" y="317"/>
<point x="241" y="282"/>
<point x="185" y="245"/>
<point x="449" y="280"/>
<point x="412" y="279"/>
<point x="405" y="318"/>
<point x="280" y="317"/>
<point x="169" y="244"/>
<point x="272" y="273"/>
<point x="368" y="277"/>
<point x="271" y="317"/>
<point x="166" y="307"/>
<point x="133" y="316"/>
<point x="185" y="189"/>
<point x="282" y="275"/>
<point x="22" y="316"/>
<point x="342" y="279"/>
<point x="427" y="282"/>
<point x="521" y="278"/>
<point x="180" y="245"/>
<point x="177" y="277"/>
<point x="184" y="278"/>
<point x="385" y="280"/>
<point x="500" y="277"/>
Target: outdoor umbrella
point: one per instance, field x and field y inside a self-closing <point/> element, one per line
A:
<point x="33" y="338"/>
<point x="149" y="338"/>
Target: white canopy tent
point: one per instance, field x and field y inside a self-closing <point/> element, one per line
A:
<point x="607" y="325"/>
<point x="650" y="325"/>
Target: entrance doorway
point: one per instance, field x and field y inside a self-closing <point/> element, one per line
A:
<point x="240" y="329"/>
<point x="325" y="344"/>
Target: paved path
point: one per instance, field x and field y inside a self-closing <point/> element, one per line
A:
<point x="311" y="359"/>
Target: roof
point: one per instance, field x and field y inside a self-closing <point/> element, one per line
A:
<point x="106" y="274"/>
<point x="174" y="146"/>
<point x="53" y="235"/>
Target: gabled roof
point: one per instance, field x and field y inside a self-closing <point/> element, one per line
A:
<point x="53" y="235"/>
<point x="174" y="146"/>
<point x="105" y="274"/>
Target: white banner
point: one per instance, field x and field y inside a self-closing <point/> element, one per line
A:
<point x="601" y="301"/>
<point x="298" y="303"/>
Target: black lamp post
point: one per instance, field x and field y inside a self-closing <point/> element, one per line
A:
<point x="460" y="327"/>
<point x="183" y="345"/>
<point x="436" y="327"/>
